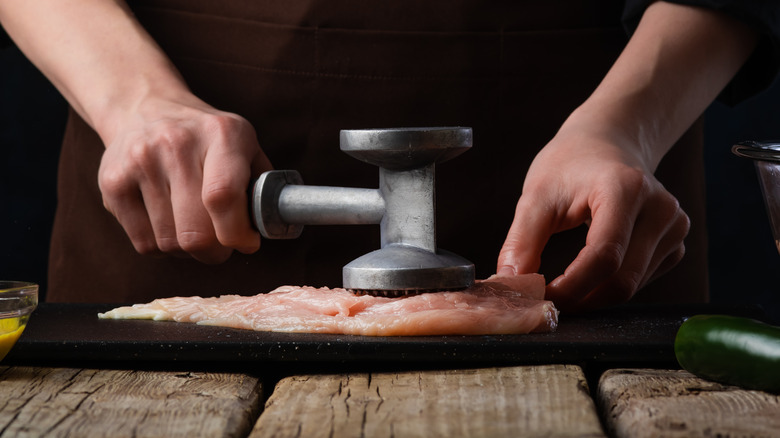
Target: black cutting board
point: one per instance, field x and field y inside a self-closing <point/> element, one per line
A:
<point x="631" y="335"/>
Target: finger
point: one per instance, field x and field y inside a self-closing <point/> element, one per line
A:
<point x="671" y="248"/>
<point x="606" y="245"/>
<point x="667" y="264"/>
<point x="123" y="199"/>
<point x="157" y="200"/>
<point x="607" y="294"/>
<point x="131" y="214"/>
<point x="623" y="284"/>
<point x="657" y="240"/>
<point x="194" y="231"/>
<point x="225" y="181"/>
<point x="530" y="230"/>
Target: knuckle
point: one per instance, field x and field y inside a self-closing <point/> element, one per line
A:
<point x="676" y="222"/>
<point x="114" y="183"/>
<point x="683" y="225"/>
<point x="610" y="255"/>
<point x="669" y="208"/>
<point x="140" y="154"/>
<point x="166" y="141"/>
<point x="146" y="246"/>
<point x="233" y="132"/>
<point x="194" y="241"/>
<point x="204" y="247"/>
<point x="624" y="285"/>
<point x="168" y="244"/>
<point x="231" y="241"/>
<point x="225" y="125"/>
<point x="635" y="181"/>
<point x="675" y="257"/>
<point x="227" y="122"/>
<point x="175" y="142"/>
<point x="221" y="193"/>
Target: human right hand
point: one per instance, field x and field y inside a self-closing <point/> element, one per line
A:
<point x="176" y="170"/>
<point x="175" y="175"/>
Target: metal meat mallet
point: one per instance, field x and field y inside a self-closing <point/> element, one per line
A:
<point x="404" y="207"/>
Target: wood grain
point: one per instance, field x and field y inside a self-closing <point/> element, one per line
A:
<point x="39" y="401"/>
<point x="674" y="403"/>
<point x="496" y="402"/>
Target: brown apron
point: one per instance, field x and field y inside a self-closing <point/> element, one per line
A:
<point x="301" y="70"/>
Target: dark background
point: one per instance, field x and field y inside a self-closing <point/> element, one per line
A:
<point x="32" y="118"/>
<point x="744" y="262"/>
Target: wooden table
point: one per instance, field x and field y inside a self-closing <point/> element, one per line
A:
<point x="528" y="401"/>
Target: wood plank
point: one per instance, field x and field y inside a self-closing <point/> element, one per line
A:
<point x="39" y="401"/>
<point x="517" y="401"/>
<point x="675" y="403"/>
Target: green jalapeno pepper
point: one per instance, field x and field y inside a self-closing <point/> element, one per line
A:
<point x="732" y="350"/>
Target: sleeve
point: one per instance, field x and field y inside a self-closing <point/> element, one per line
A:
<point x="762" y="67"/>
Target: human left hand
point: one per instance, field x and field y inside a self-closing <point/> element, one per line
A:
<point x="636" y="228"/>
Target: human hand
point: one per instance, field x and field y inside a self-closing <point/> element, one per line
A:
<point x="636" y="228"/>
<point x="598" y="170"/>
<point x="175" y="175"/>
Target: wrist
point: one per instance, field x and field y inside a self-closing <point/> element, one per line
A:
<point x="621" y="128"/>
<point x="145" y="97"/>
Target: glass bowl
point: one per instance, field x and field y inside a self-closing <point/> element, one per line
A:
<point x="766" y="157"/>
<point x="17" y="301"/>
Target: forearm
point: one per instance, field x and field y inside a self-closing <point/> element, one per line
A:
<point x="674" y="66"/>
<point x="95" y="53"/>
<point x="175" y="170"/>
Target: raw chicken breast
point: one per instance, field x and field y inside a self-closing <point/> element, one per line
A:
<point x="498" y="305"/>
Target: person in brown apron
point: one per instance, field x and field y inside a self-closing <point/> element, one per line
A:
<point x="285" y="78"/>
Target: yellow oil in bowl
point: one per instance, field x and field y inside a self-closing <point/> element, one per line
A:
<point x="17" y="301"/>
<point x="10" y="330"/>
